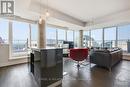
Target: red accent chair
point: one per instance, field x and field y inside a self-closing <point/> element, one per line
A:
<point x="79" y="54"/>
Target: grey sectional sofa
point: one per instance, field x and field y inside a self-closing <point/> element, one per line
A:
<point x="106" y="58"/>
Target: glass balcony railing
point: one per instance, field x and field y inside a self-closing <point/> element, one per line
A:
<point x="22" y="47"/>
<point x="124" y="44"/>
<point x="19" y="46"/>
<point x="50" y="43"/>
<point x="109" y="43"/>
<point x="97" y="43"/>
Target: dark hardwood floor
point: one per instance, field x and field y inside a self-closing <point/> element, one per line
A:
<point x="19" y="76"/>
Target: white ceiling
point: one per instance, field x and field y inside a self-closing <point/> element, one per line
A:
<point x="82" y="10"/>
<point x="87" y="10"/>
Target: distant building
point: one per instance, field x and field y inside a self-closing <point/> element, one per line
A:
<point x="1" y="40"/>
<point x="86" y="40"/>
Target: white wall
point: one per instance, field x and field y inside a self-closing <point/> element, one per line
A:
<point x="4" y="57"/>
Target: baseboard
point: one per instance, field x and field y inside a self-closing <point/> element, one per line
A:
<point x="11" y="64"/>
<point x="126" y="59"/>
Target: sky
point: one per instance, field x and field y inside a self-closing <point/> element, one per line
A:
<point x="124" y="32"/>
<point x="97" y="34"/>
<point x="51" y="34"/>
<point x="4" y="29"/>
<point x="20" y="30"/>
<point x="110" y="33"/>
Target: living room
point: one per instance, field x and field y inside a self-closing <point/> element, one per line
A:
<point x="46" y="43"/>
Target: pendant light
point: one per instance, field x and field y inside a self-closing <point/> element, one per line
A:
<point x="40" y="19"/>
<point x="47" y="14"/>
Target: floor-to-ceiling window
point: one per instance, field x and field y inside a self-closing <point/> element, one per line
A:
<point x="24" y="36"/>
<point x="4" y="31"/>
<point x="34" y="36"/>
<point x="55" y="36"/>
<point x="51" y="36"/>
<point x="20" y="38"/>
<point x="61" y="36"/>
<point x="124" y="38"/>
<point x="70" y="34"/>
<point x="97" y="38"/>
<point x="110" y="37"/>
<point x="76" y="38"/>
<point x="19" y="35"/>
<point x="86" y="38"/>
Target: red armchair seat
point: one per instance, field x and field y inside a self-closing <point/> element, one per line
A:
<point x="78" y="54"/>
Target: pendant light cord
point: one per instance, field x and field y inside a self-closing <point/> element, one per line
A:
<point x="47" y="5"/>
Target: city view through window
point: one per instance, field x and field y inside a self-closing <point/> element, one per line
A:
<point x="106" y="37"/>
<point x="109" y="37"/>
